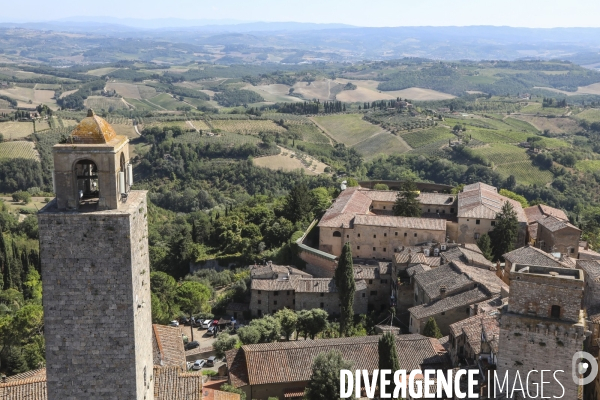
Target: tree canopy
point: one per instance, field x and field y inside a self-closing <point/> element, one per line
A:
<point x="431" y="329"/>
<point x="324" y="383"/>
<point x="407" y="202"/>
<point x="505" y="232"/>
<point x="346" y="287"/>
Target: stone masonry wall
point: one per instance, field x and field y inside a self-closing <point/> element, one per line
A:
<point x="97" y="312"/>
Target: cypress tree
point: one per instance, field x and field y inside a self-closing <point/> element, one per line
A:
<point x="346" y="286"/>
<point x="388" y="357"/>
<point x="485" y="245"/>
<point x="7" y="278"/>
<point x="407" y="203"/>
<point x="431" y="329"/>
<point x="506" y="231"/>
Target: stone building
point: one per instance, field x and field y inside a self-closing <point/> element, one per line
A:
<point x="283" y="369"/>
<point x="94" y="257"/>
<point x="558" y="236"/>
<point x="543" y="326"/>
<point x="474" y="341"/>
<point x="537" y="212"/>
<point x="528" y="255"/>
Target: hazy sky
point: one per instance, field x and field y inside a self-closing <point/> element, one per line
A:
<point x="524" y="13"/>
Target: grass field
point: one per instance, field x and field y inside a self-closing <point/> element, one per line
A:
<point x="289" y="161"/>
<point x="590" y="115"/>
<point x="247" y="127"/>
<point x="513" y="160"/>
<point x="18" y="149"/>
<point x="588" y="165"/>
<point x="127" y="90"/>
<point x="16" y="130"/>
<point x="428" y="136"/>
<point x="125" y="130"/>
<point x="225" y="138"/>
<point x="309" y="133"/>
<point x="105" y="103"/>
<point x="382" y="143"/>
<point x="25" y="95"/>
<point x="275" y="93"/>
<point x="366" y="90"/>
<point x="555" y="125"/>
<point x="349" y="129"/>
<point x="142" y="105"/>
<point x="101" y="71"/>
<point x="166" y="101"/>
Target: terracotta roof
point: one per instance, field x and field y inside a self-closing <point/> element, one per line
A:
<point x="388" y="196"/>
<point x="445" y="342"/>
<point x="466" y="254"/>
<point x="591" y="269"/>
<point x="411" y="258"/>
<point x="530" y="255"/>
<point x="350" y="202"/>
<point x="432" y="261"/>
<point x="171" y="383"/>
<point x="473" y="328"/>
<point x="534" y="213"/>
<point x="417" y="269"/>
<point x="93" y="130"/>
<point x="30" y="388"/>
<point x="168" y="346"/>
<point x="273" y="284"/>
<point x="275" y="270"/>
<point x="482" y="201"/>
<point x="440" y="199"/>
<point x="481" y="276"/>
<point x="554" y="224"/>
<point x="291" y="362"/>
<point x="322" y="285"/>
<point x="588" y="254"/>
<point x="33" y="374"/>
<point x="401" y="222"/>
<point x="448" y="303"/>
<point x="446" y="276"/>
<point x="366" y="272"/>
<point x="212" y="394"/>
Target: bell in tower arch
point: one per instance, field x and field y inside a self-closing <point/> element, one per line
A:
<point x="92" y="170"/>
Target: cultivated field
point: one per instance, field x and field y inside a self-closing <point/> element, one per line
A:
<point x="590" y="115"/>
<point x="288" y="161"/>
<point x="225" y="138"/>
<point x="105" y="103"/>
<point x="127" y="90"/>
<point x="349" y="129"/>
<point x="272" y="93"/>
<point x="594" y="89"/>
<point x="428" y="136"/>
<point x="512" y="160"/>
<point x="101" y="71"/>
<point x="322" y="90"/>
<point x="25" y="95"/>
<point x="247" y="127"/>
<point x="555" y="125"/>
<point x="588" y="165"/>
<point x="367" y="91"/>
<point x="18" y="149"/>
<point x="381" y="143"/>
<point x="16" y="130"/>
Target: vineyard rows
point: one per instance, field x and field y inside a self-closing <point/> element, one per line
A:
<point x="18" y="149"/>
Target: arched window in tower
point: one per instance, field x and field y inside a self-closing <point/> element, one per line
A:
<point x="88" y="188"/>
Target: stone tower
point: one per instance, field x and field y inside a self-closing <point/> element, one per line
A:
<point x="96" y="272"/>
<point x="542" y="327"/>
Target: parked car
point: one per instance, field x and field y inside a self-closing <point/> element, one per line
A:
<point x="174" y="323"/>
<point x="192" y="345"/>
<point x="206" y="323"/>
<point x="211" y="361"/>
<point x="184" y="321"/>
<point x="198" y="364"/>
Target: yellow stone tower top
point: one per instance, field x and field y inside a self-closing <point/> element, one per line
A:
<point x="93" y="130"/>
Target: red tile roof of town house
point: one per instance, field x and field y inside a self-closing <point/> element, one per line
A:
<point x="274" y="284"/>
<point x="591" y="269"/>
<point x="469" y="254"/>
<point x="406" y="257"/>
<point x="530" y="255"/>
<point x="474" y="327"/>
<point x="387" y="196"/>
<point x="437" y="199"/>
<point x="483" y="277"/>
<point x="322" y="285"/>
<point x="271" y="270"/>
<point x="483" y="201"/>
<point x="25" y="387"/>
<point x="350" y="202"/>
<point x="588" y="254"/>
<point x="291" y="362"/>
<point x="172" y="383"/>
<point x="443" y="276"/>
<point x="554" y="224"/>
<point x="168" y="347"/>
<point x="449" y="303"/>
<point x="534" y="213"/>
<point x="417" y="269"/>
<point x="432" y="224"/>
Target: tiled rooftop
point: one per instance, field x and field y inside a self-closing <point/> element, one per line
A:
<point x="483" y="201"/>
<point x="440" y="199"/>
<point x="468" y="254"/>
<point x="591" y="269"/>
<point x="448" y="303"/>
<point x="554" y="224"/>
<point x="291" y="362"/>
<point x="473" y="328"/>
<point x="171" y="383"/>
<point x="401" y="222"/>
<point x="534" y="213"/>
<point x="168" y="346"/>
<point x="350" y="202"/>
<point x="532" y="256"/>
<point x="446" y="276"/>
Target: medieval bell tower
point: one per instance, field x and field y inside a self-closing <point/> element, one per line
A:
<point x="96" y="271"/>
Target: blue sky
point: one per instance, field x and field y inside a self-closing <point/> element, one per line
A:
<point x="522" y="13"/>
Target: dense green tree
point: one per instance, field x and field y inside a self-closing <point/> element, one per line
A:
<point x="164" y="287"/>
<point x="193" y="298"/>
<point x="485" y="245"/>
<point x="249" y="334"/>
<point x="312" y="322"/>
<point x="288" y="320"/>
<point x="431" y="329"/>
<point x="269" y="328"/>
<point x="346" y="287"/>
<point x="226" y="387"/>
<point x="505" y="232"/>
<point x="224" y="342"/>
<point x="321" y="200"/>
<point x="298" y="204"/>
<point x="407" y="202"/>
<point x="324" y="383"/>
<point x="388" y="357"/>
<point x="15" y="361"/>
<point x="514" y="196"/>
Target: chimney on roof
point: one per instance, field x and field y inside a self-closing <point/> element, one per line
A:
<point x="443" y="290"/>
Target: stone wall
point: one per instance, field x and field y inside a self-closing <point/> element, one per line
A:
<point x="469" y="230"/>
<point x="264" y="300"/>
<point x="330" y="302"/>
<point x="97" y="307"/>
<point x="564" y="241"/>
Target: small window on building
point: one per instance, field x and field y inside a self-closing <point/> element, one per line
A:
<point x="452" y="210"/>
<point x="259" y="312"/>
<point x="443" y="211"/>
<point x="357" y="247"/>
<point x="374" y="236"/>
<point x="294" y="301"/>
<point x="415" y="234"/>
<point x="370" y="281"/>
<point x="260" y="302"/>
<point x="374" y="248"/>
<point x="337" y="234"/>
<point x="288" y="292"/>
<point x="359" y="235"/>
<point x="322" y="305"/>
<point x="384" y="207"/>
<point x="384" y="281"/>
<point x="429" y="210"/>
<point x="385" y="235"/>
<point x="572" y="250"/>
<point x="477" y="222"/>
<point x="275" y="293"/>
<point x="373" y="292"/>
<point x="363" y="295"/>
<point x="347" y="236"/>
<point x="275" y="303"/>
<point x="493" y="223"/>
<point x="443" y="312"/>
<point x="384" y="249"/>
<point x="259" y="292"/>
<point x="555" y="312"/>
<point x="437" y="211"/>
<point x="405" y="234"/>
<point x="395" y="233"/>
<point x="322" y="294"/>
